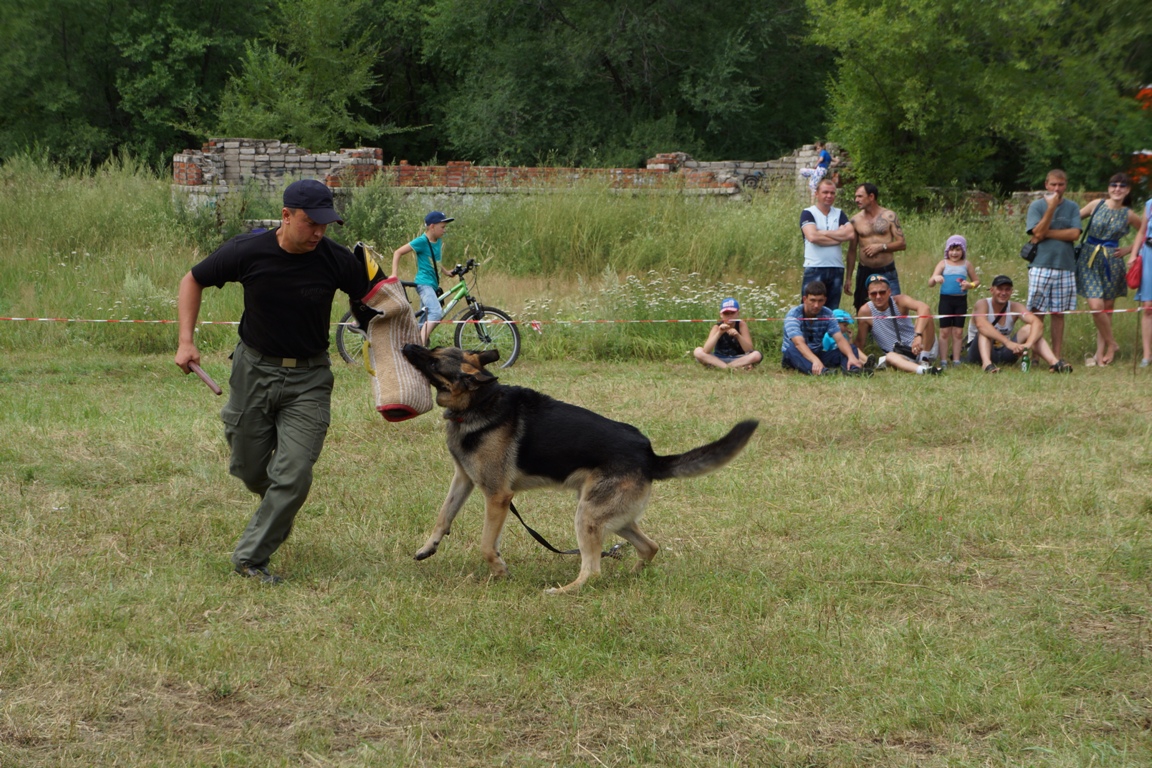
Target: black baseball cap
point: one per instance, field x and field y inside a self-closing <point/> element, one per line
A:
<point x="314" y="198"/>
<point x="1001" y="280"/>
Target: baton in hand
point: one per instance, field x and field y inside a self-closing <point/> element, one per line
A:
<point x="205" y="378"/>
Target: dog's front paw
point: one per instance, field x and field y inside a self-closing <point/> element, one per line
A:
<point x="426" y="552"/>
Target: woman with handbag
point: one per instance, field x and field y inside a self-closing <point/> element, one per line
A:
<point x="1100" y="271"/>
<point x="1142" y="249"/>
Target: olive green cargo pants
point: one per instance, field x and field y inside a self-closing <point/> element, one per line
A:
<point x="275" y="422"/>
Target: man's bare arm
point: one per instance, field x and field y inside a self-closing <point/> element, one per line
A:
<point x="187" y="311"/>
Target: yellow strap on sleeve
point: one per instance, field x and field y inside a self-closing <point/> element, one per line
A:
<point x="370" y="265"/>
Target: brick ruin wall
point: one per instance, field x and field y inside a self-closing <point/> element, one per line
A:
<point x="222" y="165"/>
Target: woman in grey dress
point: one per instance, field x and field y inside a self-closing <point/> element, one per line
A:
<point x="1100" y="268"/>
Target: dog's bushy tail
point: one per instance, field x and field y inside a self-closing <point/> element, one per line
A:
<point x="706" y="458"/>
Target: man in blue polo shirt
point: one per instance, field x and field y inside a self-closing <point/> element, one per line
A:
<point x="804" y="330"/>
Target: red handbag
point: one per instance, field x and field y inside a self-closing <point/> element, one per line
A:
<point x="1135" y="272"/>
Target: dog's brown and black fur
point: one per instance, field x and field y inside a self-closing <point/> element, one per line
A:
<point x="508" y="439"/>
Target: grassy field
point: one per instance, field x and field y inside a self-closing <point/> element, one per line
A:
<point x="899" y="571"/>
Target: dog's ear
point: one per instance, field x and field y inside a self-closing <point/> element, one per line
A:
<point x="473" y="377"/>
<point x="488" y="356"/>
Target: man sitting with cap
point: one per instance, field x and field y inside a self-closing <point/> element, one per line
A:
<point x="990" y="338"/>
<point x="280" y="395"/>
<point x="805" y="328"/>
<point x="908" y="345"/>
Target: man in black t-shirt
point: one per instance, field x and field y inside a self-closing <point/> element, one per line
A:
<point x="280" y="387"/>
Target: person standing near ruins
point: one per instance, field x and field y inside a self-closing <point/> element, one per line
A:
<point x="878" y="237"/>
<point x="825" y="229"/>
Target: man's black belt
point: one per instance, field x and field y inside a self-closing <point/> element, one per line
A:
<point x="289" y="362"/>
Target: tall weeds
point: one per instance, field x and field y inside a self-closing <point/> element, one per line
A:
<point x="81" y="245"/>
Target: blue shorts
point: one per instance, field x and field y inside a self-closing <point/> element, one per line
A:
<point x="431" y="302"/>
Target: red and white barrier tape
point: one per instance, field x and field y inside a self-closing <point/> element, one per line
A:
<point x="535" y="324"/>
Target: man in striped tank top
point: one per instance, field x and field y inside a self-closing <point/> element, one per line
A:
<point x="908" y="344"/>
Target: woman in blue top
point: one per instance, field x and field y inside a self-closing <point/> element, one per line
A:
<point x="427" y="248"/>
<point x="1144" y="293"/>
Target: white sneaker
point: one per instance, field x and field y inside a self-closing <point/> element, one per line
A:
<point x="1145" y="363"/>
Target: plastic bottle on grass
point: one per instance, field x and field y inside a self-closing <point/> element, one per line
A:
<point x="1026" y="361"/>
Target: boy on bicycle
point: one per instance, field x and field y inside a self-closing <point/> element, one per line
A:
<point x="427" y="248"/>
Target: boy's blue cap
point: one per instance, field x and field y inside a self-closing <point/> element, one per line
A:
<point x="843" y="317"/>
<point x="729" y="305"/>
<point x="436" y="217"/>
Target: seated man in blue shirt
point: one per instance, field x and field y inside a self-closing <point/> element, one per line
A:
<point x="804" y="329"/>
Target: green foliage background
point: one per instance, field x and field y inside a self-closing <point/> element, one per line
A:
<point x="921" y="93"/>
<point x="590" y="82"/>
<point x="952" y="92"/>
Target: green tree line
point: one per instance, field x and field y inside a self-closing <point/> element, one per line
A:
<point x="919" y="92"/>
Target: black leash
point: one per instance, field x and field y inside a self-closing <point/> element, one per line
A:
<point x="614" y="552"/>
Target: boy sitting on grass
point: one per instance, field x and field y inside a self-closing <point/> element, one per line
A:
<point x="729" y="343"/>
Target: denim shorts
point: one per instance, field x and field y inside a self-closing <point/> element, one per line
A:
<point x="431" y="302"/>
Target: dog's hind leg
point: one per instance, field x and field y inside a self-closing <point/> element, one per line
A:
<point x="590" y="539"/>
<point x="646" y="549"/>
<point x="606" y="503"/>
<point x="495" y="512"/>
<point x="458" y="493"/>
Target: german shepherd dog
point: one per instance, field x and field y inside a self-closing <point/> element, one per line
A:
<point x="508" y="439"/>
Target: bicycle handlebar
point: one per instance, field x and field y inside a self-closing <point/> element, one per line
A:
<point x="462" y="269"/>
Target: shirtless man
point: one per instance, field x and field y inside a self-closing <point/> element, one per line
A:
<point x="878" y="237"/>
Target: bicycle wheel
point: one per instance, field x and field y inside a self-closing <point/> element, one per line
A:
<point x="503" y="336"/>
<point x="350" y="340"/>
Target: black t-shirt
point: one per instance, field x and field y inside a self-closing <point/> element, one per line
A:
<point x="287" y="296"/>
<point x="727" y="346"/>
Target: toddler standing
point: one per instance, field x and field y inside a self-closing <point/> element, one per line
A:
<point x="955" y="275"/>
